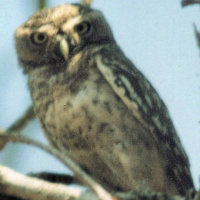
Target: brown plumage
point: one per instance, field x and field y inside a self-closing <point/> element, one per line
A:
<point x="93" y="102"/>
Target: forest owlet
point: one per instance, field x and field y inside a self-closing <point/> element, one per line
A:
<point x="93" y="102"/>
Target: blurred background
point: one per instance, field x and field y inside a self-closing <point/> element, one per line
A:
<point x="158" y="36"/>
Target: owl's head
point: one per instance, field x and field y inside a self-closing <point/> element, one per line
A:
<point x="56" y="34"/>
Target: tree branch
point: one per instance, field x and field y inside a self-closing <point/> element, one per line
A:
<point x="197" y="34"/>
<point x="15" y="184"/>
<point x="55" y="177"/>
<point x="19" y="124"/>
<point x="41" y="4"/>
<point x="64" y="158"/>
<point x="189" y="2"/>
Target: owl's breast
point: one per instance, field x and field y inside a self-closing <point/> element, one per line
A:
<point x="85" y="116"/>
<point x="73" y="110"/>
<point x="80" y="110"/>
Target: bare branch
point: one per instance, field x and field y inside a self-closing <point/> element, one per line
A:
<point x="197" y="34"/>
<point x="16" y="184"/>
<point x="41" y="4"/>
<point x="9" y="197"/>
<point x="55" y="177"/>
<point x="19" y="124"/>
<point x="64" y="158"/>
<point x="189" y="2"/>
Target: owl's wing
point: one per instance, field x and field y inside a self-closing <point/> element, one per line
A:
<point x="141" y="98"/>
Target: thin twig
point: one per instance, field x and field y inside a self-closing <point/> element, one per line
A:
<point x="64" y="158"/>
<point x="189" y="2"/>
<point x="41" y="4"/>
<point x="197" y="34"/>
<point x="19" y="124"/>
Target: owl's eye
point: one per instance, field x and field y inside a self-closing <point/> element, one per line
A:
<point x="83" y="28"/>
<point x="39" y="38"/>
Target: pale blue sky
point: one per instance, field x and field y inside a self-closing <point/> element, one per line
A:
<point x="156" y="35"/>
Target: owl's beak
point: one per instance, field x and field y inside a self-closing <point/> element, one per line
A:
<point x="64" y="48"/>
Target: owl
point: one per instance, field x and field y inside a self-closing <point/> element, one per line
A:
<point x="93" y="103"/>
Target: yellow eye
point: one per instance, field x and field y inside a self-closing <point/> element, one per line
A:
<point x="83" y="28"/>
<point x="39" y="38"/>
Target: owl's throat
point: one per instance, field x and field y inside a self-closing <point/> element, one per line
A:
<point x="54" y="65"/>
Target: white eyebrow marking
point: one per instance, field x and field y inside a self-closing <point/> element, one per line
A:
<point x="68" y="28"/>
